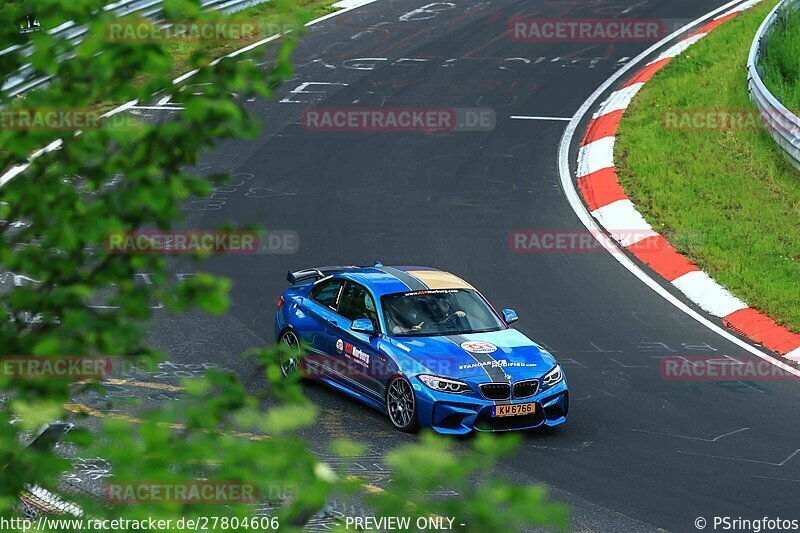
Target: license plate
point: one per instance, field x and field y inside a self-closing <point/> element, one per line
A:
<point x="514" y="410"/>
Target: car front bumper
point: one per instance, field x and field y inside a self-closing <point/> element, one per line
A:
<point x="460" y="414"/>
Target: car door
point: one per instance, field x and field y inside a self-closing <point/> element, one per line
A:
<point x="359" y="352"/>
<point x="321" y="335"/>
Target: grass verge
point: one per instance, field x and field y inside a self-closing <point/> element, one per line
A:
<point x="269" y="18"/>
<point x="725" y="197"/>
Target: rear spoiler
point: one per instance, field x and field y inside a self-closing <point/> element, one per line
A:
<point x="316" y="273"/>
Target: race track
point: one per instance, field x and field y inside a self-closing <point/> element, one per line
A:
<point x="639" y="452"/>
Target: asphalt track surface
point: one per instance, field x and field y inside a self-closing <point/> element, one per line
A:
<point x="639" y="452"/>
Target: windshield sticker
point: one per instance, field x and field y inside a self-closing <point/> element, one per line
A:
<point x="479" y="347"/>
<point x="429" y="291"/>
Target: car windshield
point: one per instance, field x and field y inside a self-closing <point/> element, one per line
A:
<point x="438" y="312"/>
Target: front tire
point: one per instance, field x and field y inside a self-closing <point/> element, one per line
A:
<point x="401" y="405"/>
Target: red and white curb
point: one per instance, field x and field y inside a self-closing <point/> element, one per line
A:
<point x="610" y="207"/>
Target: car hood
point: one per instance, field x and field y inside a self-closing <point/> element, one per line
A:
<point x="493" y="354"/>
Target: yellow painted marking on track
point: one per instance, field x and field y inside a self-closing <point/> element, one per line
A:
<point x="82" y="409"/>
<point x="436" y="279"/>
<point x="372" y="489"/>
<point x="142" y="384"/>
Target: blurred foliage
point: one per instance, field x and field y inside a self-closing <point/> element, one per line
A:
<point x="54" y="216"/>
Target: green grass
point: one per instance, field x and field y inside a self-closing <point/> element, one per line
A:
<point x="268" y="16"/>
<point x="727" y="199"/>
<point x="782" y="61"/>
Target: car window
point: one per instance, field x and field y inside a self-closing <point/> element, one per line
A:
<point x="327" y="293"/>
<point x="438" y="312"/>
<point x="357" y="303"/>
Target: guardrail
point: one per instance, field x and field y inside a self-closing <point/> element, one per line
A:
<point x="784" y="126"/>
<point x="25" y="78"/>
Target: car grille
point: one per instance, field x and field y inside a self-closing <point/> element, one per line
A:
<point x="526" y="389"/>
<point x="496" y="391"/>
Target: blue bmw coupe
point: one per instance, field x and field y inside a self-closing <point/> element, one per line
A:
<point x="421" y="345"/>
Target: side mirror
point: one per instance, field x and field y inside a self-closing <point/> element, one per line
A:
<point x="509" y="315"/>
<point x="363" y="325"/>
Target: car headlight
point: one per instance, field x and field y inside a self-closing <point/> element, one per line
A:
<point x="553" y="377"/>
<point x="445" y="385"/>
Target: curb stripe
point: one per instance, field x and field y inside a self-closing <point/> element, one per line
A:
<point x="604" y="126"/>
<point x="596" y="156"/>
<point x="677" y="49"/>
<point x="647" y="73"/>
<point x="662" y="257"/>
<point x="763" y="330"/>
<point x="625" y="224"/>
<point x="619" y="100"/>
<point x="601" y="188"/>
<point x="607" y="202"/>
<point x="708" y="294"/>
<point x="714" y="24"/>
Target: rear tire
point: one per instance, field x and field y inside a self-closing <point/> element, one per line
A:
<point x="290" y="345"/>
<point x="401" y="405"/>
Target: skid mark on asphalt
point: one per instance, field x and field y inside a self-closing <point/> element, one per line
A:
<point x="715" y="439"/>
<point x="743" y="460"/>
<point x="623" y="365"/>
<point x="579" y="447"/>
<point x="606" y="393"/>
<point x="778" y="479"/>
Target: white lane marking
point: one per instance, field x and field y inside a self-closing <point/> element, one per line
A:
<point x="624" y="222"/>
<point x="16" y="170"/>
<point x="526" y="117"/>
<point x="700" y="288"/>
<point x="303" y="89"/>
<point x="157" y="107"/>
<point x="350" y="4"/>
<point x="575" y="202"/>
<point x="619" y="100"/>
<point x="678" y="48"/>
<point x="794" y="355"/>
<point x="740" y="8"/>
<point x="596" y="156"/>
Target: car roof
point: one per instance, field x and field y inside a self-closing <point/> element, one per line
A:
<point x="393" y="279"/>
